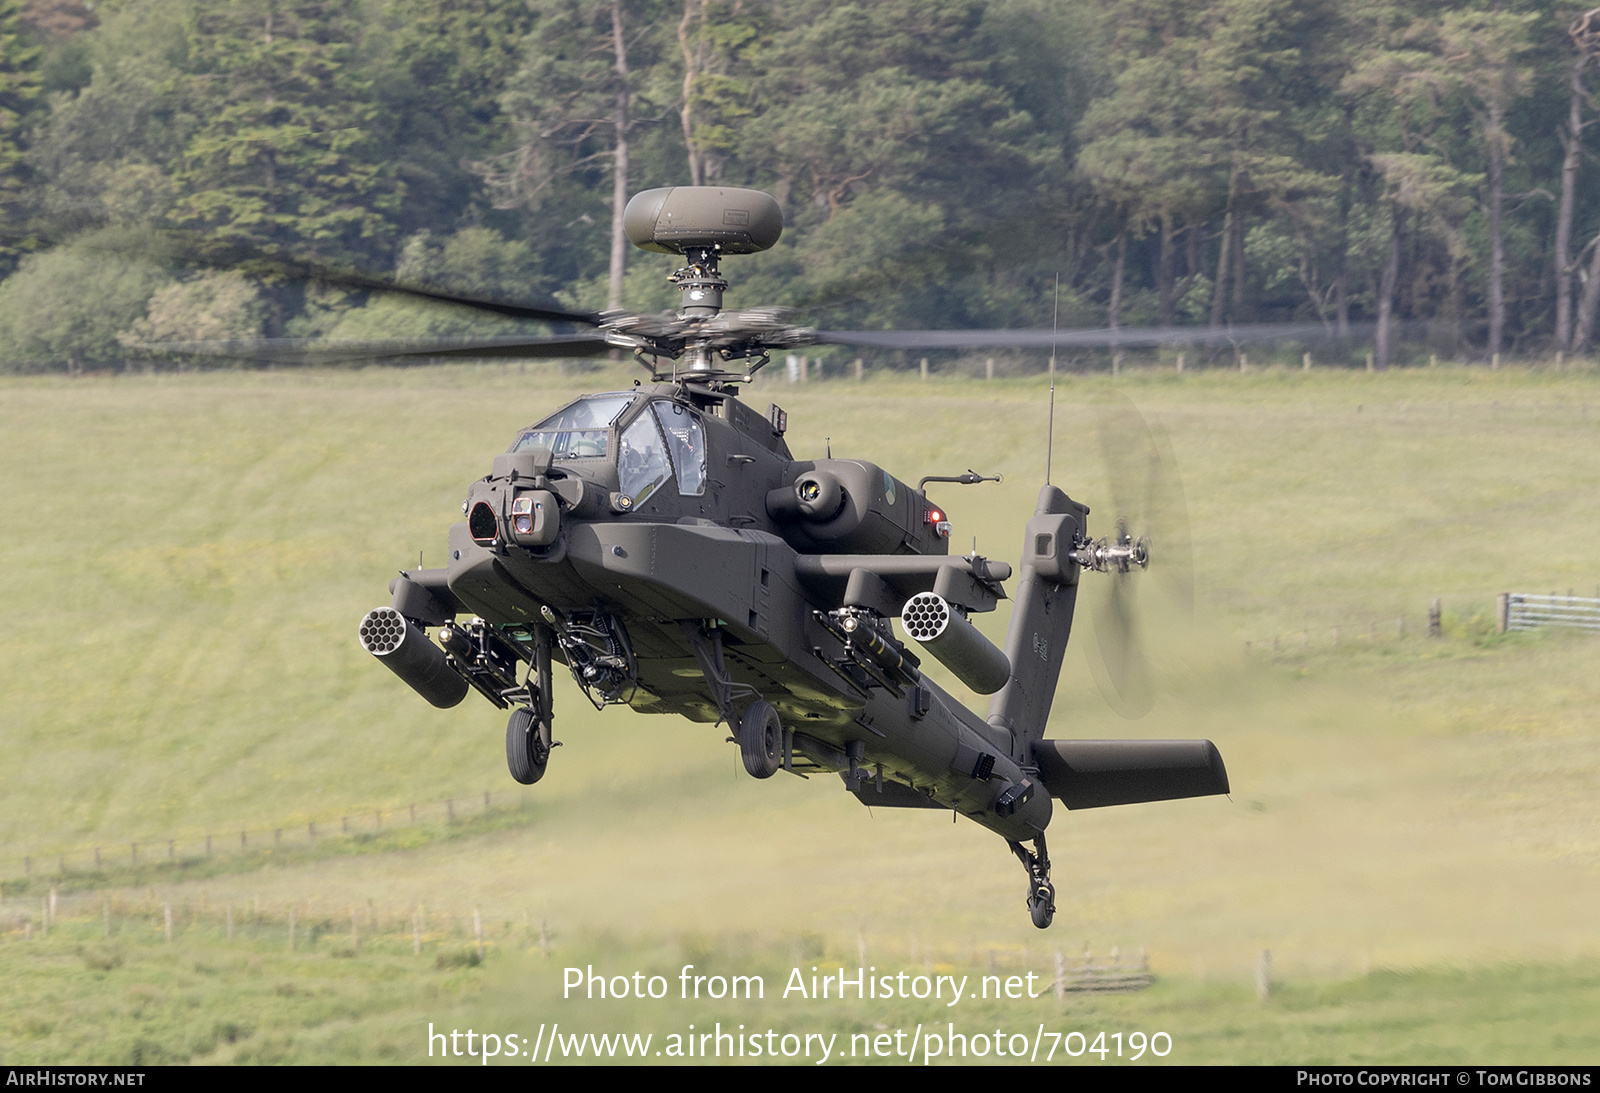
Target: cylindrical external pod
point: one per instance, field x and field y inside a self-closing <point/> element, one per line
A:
<point x="673" y="219"/>
<point x="406" y="650"/>
<point x="930" y="620"/>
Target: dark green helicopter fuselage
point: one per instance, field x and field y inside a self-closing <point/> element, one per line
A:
<point x="720" y="553"/>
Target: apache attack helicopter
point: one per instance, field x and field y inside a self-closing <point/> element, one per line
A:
<point x="664" y="544"/>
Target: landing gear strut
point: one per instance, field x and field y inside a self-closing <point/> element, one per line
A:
<point x="528" y="741"/>
<point x="1041" y="893"/>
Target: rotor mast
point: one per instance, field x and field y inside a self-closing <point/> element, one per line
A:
<point x="702" y="286"/>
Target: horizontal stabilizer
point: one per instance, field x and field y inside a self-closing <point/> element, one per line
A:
<point x="1096" y="773"/>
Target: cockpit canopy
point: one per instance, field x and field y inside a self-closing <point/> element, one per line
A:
<point x="580" y="430"/>
<point x="648" y="438"/>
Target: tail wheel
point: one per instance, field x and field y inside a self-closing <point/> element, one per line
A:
<point x="761" y="740"/>
<point x="1042" y="906"/>
<point x="527" y="746"/>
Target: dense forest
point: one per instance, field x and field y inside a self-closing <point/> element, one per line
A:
<point x="1423" y="166"/>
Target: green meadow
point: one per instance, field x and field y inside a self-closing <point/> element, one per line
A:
<point x="1413" y="832"/>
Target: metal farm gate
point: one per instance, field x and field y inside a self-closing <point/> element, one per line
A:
<point x="1522" y="611"/>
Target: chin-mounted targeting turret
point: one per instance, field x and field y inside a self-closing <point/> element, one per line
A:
<point x="522" y="503"/>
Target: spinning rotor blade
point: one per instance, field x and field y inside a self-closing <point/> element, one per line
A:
<point x="1147" y="503"/>
<point x="185" y="250"/>
<point x="1132" y="338"/>
<point x="326" y="351"/>
<point x="1122" y="670"/>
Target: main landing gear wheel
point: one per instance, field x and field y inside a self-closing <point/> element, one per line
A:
<point x="1041" y="893"/>
<point x="760" y="739"/>
<point x="527" y="746"/>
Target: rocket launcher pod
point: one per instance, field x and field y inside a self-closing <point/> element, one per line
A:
<point x="929" y="619"/>
<point x="407" y="652"/>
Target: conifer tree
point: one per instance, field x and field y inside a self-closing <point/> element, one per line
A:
<point x="284" y="159"/>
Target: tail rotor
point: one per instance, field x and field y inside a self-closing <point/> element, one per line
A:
<point x="1150" y="531"/>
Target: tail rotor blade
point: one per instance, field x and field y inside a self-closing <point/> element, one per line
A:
<point x="1146" y="502"/>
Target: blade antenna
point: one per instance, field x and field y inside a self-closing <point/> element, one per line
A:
<point x="1050" y="430"/>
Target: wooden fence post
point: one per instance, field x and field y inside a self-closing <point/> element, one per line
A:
<point x="1502" y="612"/>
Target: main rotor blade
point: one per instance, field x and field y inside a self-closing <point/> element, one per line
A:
<point x="326" y="351"/>
<point x="1130" y="337"/>
<point x="186" y="250"/>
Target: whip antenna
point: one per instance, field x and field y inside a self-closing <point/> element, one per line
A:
<point x="1050" y="430"/>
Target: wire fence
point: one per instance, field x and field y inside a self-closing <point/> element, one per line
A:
<point x="87" y="861"/>
<point x="1336" y="636"/>
<point x="459" y="937"/>
<point x="1514" y="611"/>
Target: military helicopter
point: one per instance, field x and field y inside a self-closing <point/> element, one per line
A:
<point x="665" y="546"/>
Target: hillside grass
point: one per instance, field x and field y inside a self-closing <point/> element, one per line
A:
<point x="185" y="559"/>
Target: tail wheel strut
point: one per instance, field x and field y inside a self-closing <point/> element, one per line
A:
<point x="1041" y="893"/>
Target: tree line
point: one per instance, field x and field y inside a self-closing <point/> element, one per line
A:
<point x="941" y="163"/>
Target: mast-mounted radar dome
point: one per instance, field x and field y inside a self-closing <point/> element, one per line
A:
<point x="677" y="219"/>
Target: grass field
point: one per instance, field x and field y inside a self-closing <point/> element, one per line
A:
<point x="1413" y="831"/>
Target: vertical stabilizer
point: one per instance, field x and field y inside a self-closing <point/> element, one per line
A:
<point x="1041" y="620"/>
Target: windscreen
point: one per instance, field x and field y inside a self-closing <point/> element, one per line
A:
<point x="579" y="431"/>
<point x="688" y="442"/>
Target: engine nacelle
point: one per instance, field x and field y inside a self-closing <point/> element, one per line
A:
<point x="848" y="506"/>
